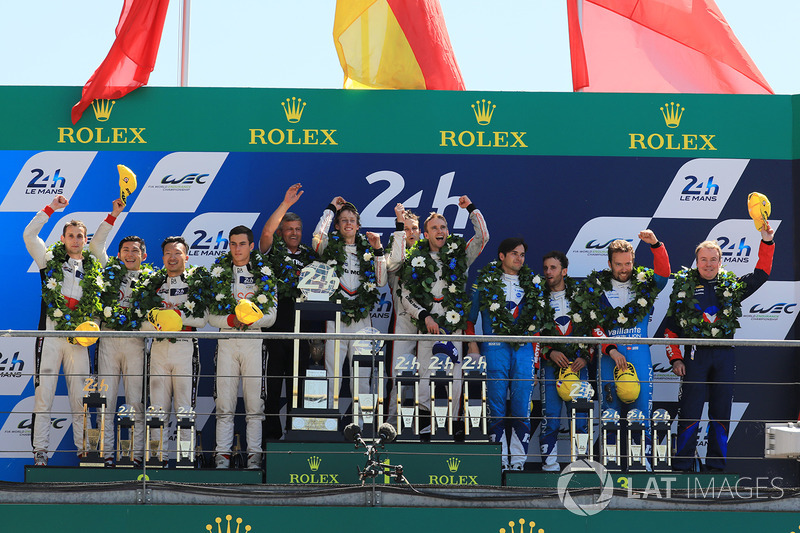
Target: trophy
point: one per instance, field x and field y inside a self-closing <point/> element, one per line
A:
<point x="185" y="437"/>
<point x="662" y="441"/>
<point x="368" y="368"/>
<point x="125" y="428"/>
<point x="609" y="442"/>
<point x="441" y="386"/>
<point x="155" y="419"/>
<point x="581" y="406"/>
<point x="406" y="385"/>
<point x="314" y="420"/>
<point x="475" y="425"/>
<point x="637" y="458"/>
<point x="92" y="454"/>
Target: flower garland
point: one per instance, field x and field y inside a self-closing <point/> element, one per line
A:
<point x="145" y="295"/>
<point x="115" y="316"/>
<point x="285" y="269"/>
<point x="222" y="276"/>
<point x="92" y="283"/>
<point x="367" y="294"/>
<point x="580" y="327"/>
<point x="419" y="274"/>
<point x="683" y="305"/>
<point x="643" y="285"/>
<point x="534" y="311"/>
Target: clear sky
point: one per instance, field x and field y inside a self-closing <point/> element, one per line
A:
<point x="500" y="45"/>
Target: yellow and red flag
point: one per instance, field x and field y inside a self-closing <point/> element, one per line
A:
<point x="683" y="46"/>
<point x="394" y="44"/>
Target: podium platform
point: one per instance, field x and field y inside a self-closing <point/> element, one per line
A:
<point x="74" y="474"/>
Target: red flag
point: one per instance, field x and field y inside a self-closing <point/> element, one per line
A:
<point x="395" y="44"/>
<point x="132" y="56"/>
<point x="670" y="46"/>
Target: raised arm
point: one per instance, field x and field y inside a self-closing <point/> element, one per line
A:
<point x="478" y="242"/>
<point x="98" y="245"/>
<point x="293" y="194"/>
<point x="33" y="243"/>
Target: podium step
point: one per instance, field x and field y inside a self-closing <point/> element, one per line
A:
<point x="72" y="474"/>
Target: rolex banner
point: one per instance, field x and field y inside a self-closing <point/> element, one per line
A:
<point x="568" y="172"/>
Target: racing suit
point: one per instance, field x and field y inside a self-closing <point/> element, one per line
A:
<point x="174" y="367"/>
<point x="710" y="372"/>
<point x="349" y="283"/>
<point x="417" y="312"/>
<point x="53" y="352"/>
<point x="507" y="369"/>
<point x="552" y="403"/>
<point x="240" y="357"/>
<point x="120" y="358"/>
<point x="638" y="354"/>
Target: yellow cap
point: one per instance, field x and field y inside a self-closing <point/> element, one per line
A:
<point x="759" y="208"/>
<point x="247" y="312"/>
<point x="627" y="383"/>
<point x="566" y="378"/>
<point x="127" y="182"/>
<point x="165" y="319"/>
<point x="87" y="326"/>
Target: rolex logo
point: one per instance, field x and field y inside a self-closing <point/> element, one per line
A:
<point x="102" y="109"/>
<point x="453" y="463"/>
<point x="314" y="462"/>
<point x="521" y="529"/>
<point x="483" y="111"/>
<point x="672" y="114"/>
<point x="218" y="520"/>
<point x="293" y="109"/>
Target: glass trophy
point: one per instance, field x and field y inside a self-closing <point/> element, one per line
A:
<point x="442" y="405"/>
<point x="406" y="397"/>
<point x="662" y="441"/>
<point x="92" y="453"/>
<point x="155" y="420"/>
<point x="475" y="425"/>
<point x="581" y="407"/>
<point x="637" y="427"/>
<point x="125" y="431"/>
<point x="185" y="437"/>
<point x="609" y="441"/>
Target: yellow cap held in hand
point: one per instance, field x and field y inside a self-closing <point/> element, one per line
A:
<point x="627" y="383"/>
<point x="165" y="319"/>
<point x="247" y="312"/>
<point x="127" y="183"/>
<point x="566" y="378"/>
<point x="87" y="326"/>
<point x="759" y="208"/>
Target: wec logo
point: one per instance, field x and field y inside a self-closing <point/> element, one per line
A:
<point x="594" y="245"/>
<point x="775" y="309"/>
<point x="188" y="179"/>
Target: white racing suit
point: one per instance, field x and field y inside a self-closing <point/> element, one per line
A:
<point x="240" y="357"/>
<point x="349" y="284"/>
<point x="120" y="358"/>
<point x="53" y="352"/>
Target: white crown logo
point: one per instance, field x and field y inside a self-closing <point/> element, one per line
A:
<point x="483" y="111"/>
<point x="218" y="520"/>
<point x="672" y="114"/>
<point x="102" y="109"/>
<point x="293" y="109"/>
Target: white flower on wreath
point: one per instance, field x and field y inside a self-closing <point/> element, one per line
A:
<point x="726" y="311"/>
<point x="267" y="271"/>
<point x="452" y="288"/>
<point x="418" y="262"/>
<point x="682" y="294"/>
<point x="261" y="299"/>
<point x="714" y="332"/>
<point x="494" y="307"/>
<point x="641" y="276"/>
<point x="190" y="305"/>
<point x="146" y="282"/>
<point x="332" y="262"/>
<point x="107" y="312"/>
<point x="641" y="301"/>
<point x="219" y="296"/>
<point x="592" y="315"/>
<point x="531" y="328"/>
<point x="683" y="322"/>
<point x="58" y="313"/>
<point x="369" y="286"/>
<point x="727" y="294"/>
<point x="52" y="284"/>
<point x="216" y="271"/>
<point x="367" y="256"/>
<point x="139" y="313"/>
<point x="622" y="318"/>
<point x="100" y="283"/>
<point x="452" y="247"/>
<point x="452" y="317"/>
<point x="48" y="255"/>
<point x="536" y="280"/>
<point x="577" y="318"/>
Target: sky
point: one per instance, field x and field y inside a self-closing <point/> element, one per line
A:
<point x="500" y="45"/>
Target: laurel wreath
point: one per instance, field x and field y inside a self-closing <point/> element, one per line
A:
<point x="419" y="274"/>
<point x="534" y="310"/>
<point x="91" y="284"/>
<point x="580" y="327"/>
<point x="367" y="293"/>
<point x="643" y="285"/>
<point x="115" y="316"/>
<point x="222" y="276"/>
<point x="285" y="269"/>
<point x="145" y="295"/>
<point x="683" y="305"/>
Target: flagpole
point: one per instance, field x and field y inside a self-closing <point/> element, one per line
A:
<point x="185" y="12"/>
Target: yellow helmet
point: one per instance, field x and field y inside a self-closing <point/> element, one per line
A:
<point x="627" y="383"/>
<point x="165" y="319"/>
<point x="247" y="312"/>
<point x="759" y="208"/>
<point x="127" y="182"/>
<point x="87" y="326"/>
<point x="566" y="377"/>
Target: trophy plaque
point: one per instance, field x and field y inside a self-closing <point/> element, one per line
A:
<point x="154" y="453"/>
<point x="406" y="385"/>
<point x="125" y="431"/>
<point x="581" y="407"/>
<point x="314" y="420"/>
<point x="609" y="441"/>
<point x="92" y="453"/>
<point x="662" y="441"/>
<point x="637" y="427"/>
<point x="185" y="437"/>
<point x="442" y="407"/>
<point x="368" y="370"/>
<point x="475" y="423"/>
